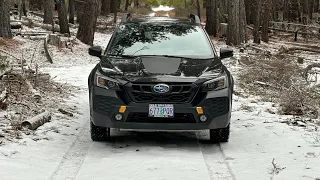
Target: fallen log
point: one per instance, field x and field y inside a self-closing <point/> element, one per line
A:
<point x="36" y="121"/>
<point x="16" y="25"/>
<point x="33" y="33"/>
<point x="291" y="49"/>
<point x="35" y="38"/>
<point x="293" y="32"/>
<point x="46" y="50"/>
<point x="314" y="46"/>
<point x="37" y="14"/>
<point x="295" y="24"/>
<point x="48" y="27"/>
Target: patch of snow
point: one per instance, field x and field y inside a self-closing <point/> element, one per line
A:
<point x="162" y="8"/>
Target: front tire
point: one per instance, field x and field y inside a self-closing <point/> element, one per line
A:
<point x="99" y="133"/>
<point x="220" y="135"/>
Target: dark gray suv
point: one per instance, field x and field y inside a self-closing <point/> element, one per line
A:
<point x="160" y="73"/>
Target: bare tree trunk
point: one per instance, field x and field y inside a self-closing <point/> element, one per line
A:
<point x="286" y="10"/>
<point x="105" y="7"/>
<point x="87" y="23"/>
<point x="62" y="15"/>
<point x="236" y="31"/>
<point x="48" y="7"/>
<point x="115" y="10"/>
<point x="136" y="3"/>
<point x="211" y="13"/>
<point x="198" y="8"/>
<point x="250" y="11"/>
<point x="185" y="4"/>
<point x="24" y="10"/>
<point x="192" y="3"/>
<point x="243" y="22"/>
<point x="307" y="11"/>
<point x="266" y="21"/>
<point x="35" y="4"/>
<point x="311" y="8"/>
<point x="126" y="5"/>
<point x="5" y="28"/>
<point x="71" y="11"/>
<point x="256" y="28"/>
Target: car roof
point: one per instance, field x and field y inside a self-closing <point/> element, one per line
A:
<point x="162" y="19"/>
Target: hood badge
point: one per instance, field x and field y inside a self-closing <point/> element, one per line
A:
<point x="161" y="88"/>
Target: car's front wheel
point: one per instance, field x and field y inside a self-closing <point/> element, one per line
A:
<point x="99" y="133"/>
<point x="220" y="135"/>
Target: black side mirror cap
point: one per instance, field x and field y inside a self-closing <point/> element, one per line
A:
<point x="95" y="51"/>
<point x="226" y="53"/>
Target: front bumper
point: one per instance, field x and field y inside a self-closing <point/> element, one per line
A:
<point x="105" y="105"/>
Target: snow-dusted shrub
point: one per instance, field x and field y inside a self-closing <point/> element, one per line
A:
<point x="278" y="78"/>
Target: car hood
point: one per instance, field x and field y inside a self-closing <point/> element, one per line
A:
<point x="162" y="69"/>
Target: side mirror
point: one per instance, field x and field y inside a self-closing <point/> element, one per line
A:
<point x="226" y="53"/>
<point x="95" y="51"/>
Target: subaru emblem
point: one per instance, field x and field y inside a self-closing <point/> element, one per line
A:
<point x="161" y="88"/>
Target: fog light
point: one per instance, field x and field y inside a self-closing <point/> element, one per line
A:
<point x="203" y="118"/>
<point x="118" y="117"/>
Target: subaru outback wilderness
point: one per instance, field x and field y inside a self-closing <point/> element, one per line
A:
<point x="160" y="73"/>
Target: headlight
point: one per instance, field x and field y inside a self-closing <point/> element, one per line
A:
<point x="106" y="82"/>
<point x="215" y="84"/>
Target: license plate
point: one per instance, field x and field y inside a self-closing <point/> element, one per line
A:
<point x="161" y="110"/>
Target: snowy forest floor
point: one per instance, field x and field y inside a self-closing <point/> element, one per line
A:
<point x="263" y="145"/>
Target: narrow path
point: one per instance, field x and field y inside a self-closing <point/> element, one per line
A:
<point x="73" y="159"/>
<point x="143" y="155"/>
<point x="215" y="159"/>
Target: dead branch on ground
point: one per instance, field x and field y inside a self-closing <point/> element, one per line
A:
<point x="65" y="112"/>
<point x="275" y="168"/>
<point x="5" y="52"/>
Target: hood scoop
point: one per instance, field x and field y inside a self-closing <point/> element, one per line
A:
<point x="161" y="65"/>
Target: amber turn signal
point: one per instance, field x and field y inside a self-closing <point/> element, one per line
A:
<point x="122" y="109"/>
<point x="199" y="110"/>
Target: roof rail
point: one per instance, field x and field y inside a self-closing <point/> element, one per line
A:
<point x="194" y="18"/>
<point x="126" y="17"/>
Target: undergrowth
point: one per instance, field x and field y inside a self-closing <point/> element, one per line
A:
<point x="277" y="78"/>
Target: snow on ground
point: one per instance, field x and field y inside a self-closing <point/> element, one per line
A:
<point x="62" y="149"/>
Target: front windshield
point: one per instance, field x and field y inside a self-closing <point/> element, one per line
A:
<point x="173" y="39"/>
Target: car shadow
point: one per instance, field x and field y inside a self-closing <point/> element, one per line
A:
<point x="172" y="139"/>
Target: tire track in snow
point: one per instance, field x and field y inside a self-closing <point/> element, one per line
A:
<point x="215" y="159"/>
<point x="72" y="161"/>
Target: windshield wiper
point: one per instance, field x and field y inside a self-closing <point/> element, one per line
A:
<point x="131" y="55"/>
<point x="122" y="55"/>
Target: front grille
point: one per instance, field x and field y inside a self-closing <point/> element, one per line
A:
<point x="103" y="104"/>
<point x="179" y="93"/>
<point x="217" y="106"/>
<point x="178" y="118"/>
